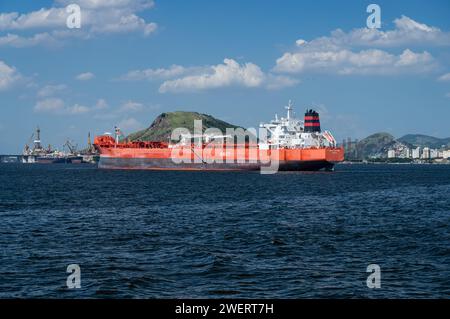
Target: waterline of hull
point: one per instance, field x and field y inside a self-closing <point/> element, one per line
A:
<point x="168" y="164"/>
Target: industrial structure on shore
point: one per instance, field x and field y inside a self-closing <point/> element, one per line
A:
<point x="418" y="153"/>
<point x="48" y="155"/>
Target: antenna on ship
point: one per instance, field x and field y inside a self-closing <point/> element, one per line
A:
<point x="117" y="133"/>
<point x="37" y="141"/>
<point x="289" y="109"/>
<point x="89" y="142"/>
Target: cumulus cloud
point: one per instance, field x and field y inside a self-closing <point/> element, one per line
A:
<point x="345" y="53"/>
<point x="42" y="18"/>
<point x="275" y="82"/>
<point x="9" y="76"/>
<point x="222" y="75"/>
<point x="53" y="105"/>
<point x="300" y="42"/>
<point x="227" y="74"/>
<point x="137" y="5"/>
<point x="406" y="32"/>
<point x="152" y="74"/>
<point x="372" y="61"/>
<point x="85" y="76"/>
<point x="444" y="77"/>
<point x="101" y="104"/>
<point x="50" y="90"/>
<point x="77" y="109"/>
<point x="57" y="106"/>
<point x="131" y="106"/>
<point x="97" y="16"/>
<point x="17" y="41"/>
<point x="130" y="125"/>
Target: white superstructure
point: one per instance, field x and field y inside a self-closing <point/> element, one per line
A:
<point x="290" y="132"/>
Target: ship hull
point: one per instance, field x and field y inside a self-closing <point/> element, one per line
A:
<point x="168" y="164"/>
<point x="58" y="160"/>
<point x="240" y="157"/>
<point x="51" y="160"/>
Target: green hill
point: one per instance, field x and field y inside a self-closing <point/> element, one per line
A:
<point x="375" y="145"/>
<point x="424" y="141"/>
<point x="162" y="127"/>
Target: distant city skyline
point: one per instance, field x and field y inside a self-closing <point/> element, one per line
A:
<point x="240" y="61"/>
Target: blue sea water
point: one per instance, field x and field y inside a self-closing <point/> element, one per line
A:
<point x="155" y="234"/>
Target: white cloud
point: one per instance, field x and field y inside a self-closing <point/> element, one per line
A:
<point x="77" y="109"/>
<point x="222" y="75"/>
<point x="131" y="106"/>
<point x="16" y="41"/>
<point x="117" y="23"/>
<point x="129" y="125"/>
<point x="97" y="16"/>
<point x="406" y="32"/>
<point x="230" y="73"/>
<point x="58" y="106"/>
<point x="344" y="61"/>
<point x="98" y="4"/>
<point x="101" y="104"/>
<point x="50" y="90"/>
<point x="53" y="105"/>
<point x="85" y="76"/>
<point x="360" y="51"/>
<point x="152" y="74"/>
<point x="300" y="42"/>
<point x="42" y="18"/>
<point x="409" y="58"/>
<point x="275" y="82"/>
<point x="8" y="76"/>
<point x="444" y="77"/>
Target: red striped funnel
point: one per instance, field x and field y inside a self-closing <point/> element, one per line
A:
<point x="312" y="121"/>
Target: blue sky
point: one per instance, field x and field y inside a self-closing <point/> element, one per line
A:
<point x="240" y="61"/>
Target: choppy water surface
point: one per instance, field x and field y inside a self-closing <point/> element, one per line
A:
<point x="140" y="234"/>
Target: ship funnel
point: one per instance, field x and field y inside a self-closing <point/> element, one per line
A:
<point x="312" y="121"/>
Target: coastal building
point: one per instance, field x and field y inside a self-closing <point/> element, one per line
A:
<point x="391" y="154"/>
<point x="446" y="154"/>
<point x="415" y="153"/>
<point x="434" y="153"/>
<point x="426" y="153"/>
<point x="407" y="153"/>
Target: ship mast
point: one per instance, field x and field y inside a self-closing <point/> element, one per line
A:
<point x="89" y="142"/>
<point x="289" y="109"/>
<point x="37" y="141"/>
<point x="117" y="134"/>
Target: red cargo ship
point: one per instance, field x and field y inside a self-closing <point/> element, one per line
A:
<point x="290" y="145"/>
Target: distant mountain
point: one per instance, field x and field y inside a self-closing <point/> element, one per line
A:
<point x="162" y="127"/>
<point x="377" y="145"/>
<point x="424" y="141"/>
<point x="374" y="145"/>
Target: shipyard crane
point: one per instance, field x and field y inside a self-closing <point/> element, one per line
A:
<point x="72" y="148"/>
<point x="27" y="145"/>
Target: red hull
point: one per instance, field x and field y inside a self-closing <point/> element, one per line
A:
<point x="158" y="156"/>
